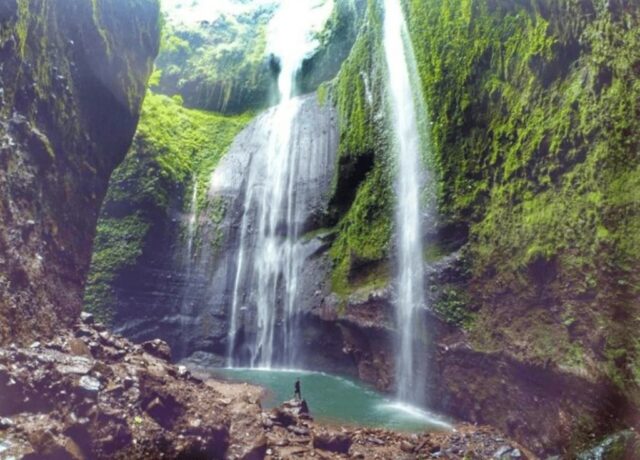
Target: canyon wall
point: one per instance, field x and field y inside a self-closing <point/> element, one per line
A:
<point x="72" y="79"/>
<point x="532" y="266"/>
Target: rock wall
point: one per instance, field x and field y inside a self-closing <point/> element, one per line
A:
<point x="534" y="112"/>
<point x="72" y="78"/>
<point x="185" y="299"/>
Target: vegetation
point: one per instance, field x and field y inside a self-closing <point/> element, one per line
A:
<point x="536" y="127"/>
<point x="221" y="65"/>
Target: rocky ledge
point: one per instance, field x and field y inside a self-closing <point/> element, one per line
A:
<point x="90" y="394"/>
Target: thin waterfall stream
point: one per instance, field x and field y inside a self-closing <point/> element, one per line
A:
<point x="410" y="367"/>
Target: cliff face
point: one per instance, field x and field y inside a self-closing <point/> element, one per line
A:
<point x="533" y="269"/>
<point x="72" y="80"/>
<point x="534" y="125"/>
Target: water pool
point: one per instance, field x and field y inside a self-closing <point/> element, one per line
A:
<point x="335" y="399"/>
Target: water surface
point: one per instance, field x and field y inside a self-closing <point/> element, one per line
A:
<point x="334" y="399"/>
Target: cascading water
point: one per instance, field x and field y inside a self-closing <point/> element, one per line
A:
<point x="191" y="228"/>
<point x="404" y="111"/>
<point x="268" y="261"/>
<point x="188" y="261"/>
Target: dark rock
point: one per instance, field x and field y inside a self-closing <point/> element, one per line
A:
<point x="282" y="417"/>
<point x="87" y="318"/>
<point x="164" y="410"/>
<point x="158" y="348"/>
<point x="6" y="423"/>
<point x="61" y="156"/>
<point x="333" y="442"/>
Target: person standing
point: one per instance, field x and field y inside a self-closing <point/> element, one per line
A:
<point x="296" y="390"/>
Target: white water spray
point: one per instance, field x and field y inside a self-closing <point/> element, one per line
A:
<point x="410" y="367"/>
<point x="268" y="260"/>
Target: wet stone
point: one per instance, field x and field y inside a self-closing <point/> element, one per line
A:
<point x="77" y="365"/>
<point x="5" y="423"/>
<point x="87" y="318"/>
<point x="89" y="384"/>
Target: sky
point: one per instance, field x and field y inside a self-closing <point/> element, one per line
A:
<point x="192" y="11"/>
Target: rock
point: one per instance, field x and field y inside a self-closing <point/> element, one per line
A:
<point x="406" y="446"/>
<point x="87" y="318"/>
<point x="281" y="417"/>
<point x="79" y="348"/>
<point x="158" y="348"/>
<point x="515" y="453"/>
<point x="502" y="452"/>
<point x="78" y="365"/>
<point x="89" y="384"/>
<point x="164" y="410"/>
<point x="254" y="449"/>
<point x="333" y="442"/>
<point x="299" y="430"/>
<point x="5" y="423"/>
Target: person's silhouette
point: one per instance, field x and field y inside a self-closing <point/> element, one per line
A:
<point x="296" y="392"/>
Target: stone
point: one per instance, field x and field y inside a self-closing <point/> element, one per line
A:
<point x="502" y="452"/>
<point x="280" y="417"/>
<point x="89" y="384"/>
<point x="407" y="447"/>
<point x="79" y="348"/>
<point x="299" y="430"/>
<point x="253" y="449"/>
<point x="333" y="442"/>
<point x="77" y="365"/>
<point x="87" y="318"/>
<point x="6" y="423"/>
<point x="158" y="348"/>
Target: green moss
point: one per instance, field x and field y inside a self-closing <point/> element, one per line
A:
<point x="535" y="128"/>
<point x="452" y="305"/>
<point x="118" y="244"/>
<point x="364" y="233"/>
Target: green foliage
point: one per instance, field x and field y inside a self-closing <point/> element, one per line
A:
<point x="220" y="66"/>
<point x="536" y="128"/>
<point x="364" y="230"/>
<point x="364" y="233"/>
<point x="452" y="306"/>
<point x="173" y="147"/>
<point x="118" y="244"/>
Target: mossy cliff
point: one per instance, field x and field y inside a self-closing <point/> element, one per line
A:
<point x="535" y="124"/>
<point x="72" y="80"/>
<point x="535" y="127"/>
<point x="147" y="205"/>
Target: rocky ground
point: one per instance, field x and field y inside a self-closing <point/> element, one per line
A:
<point x="90" y="394"/>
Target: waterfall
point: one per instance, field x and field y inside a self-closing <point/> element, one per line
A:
<point x="191" y="228"/>
<point x="185" y="312"/>
<point x="269" y="258"/>
<point x="404" y="111"/>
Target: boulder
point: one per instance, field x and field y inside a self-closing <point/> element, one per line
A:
<point x="158" y="348"/>
<point x="333" y="442"/>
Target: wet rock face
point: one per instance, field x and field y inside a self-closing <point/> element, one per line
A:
<point x="188" y="306"/>
<point x="72" y="77"/>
